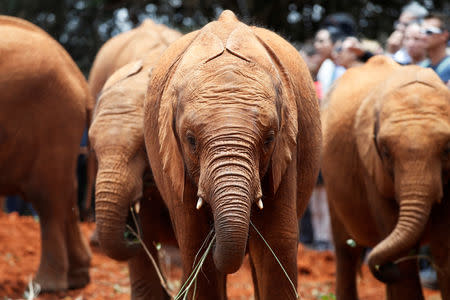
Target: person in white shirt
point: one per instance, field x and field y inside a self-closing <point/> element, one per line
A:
<point x="324" y="42"/>
<point x="414" y="43"/>
<point x="394" y="45"/>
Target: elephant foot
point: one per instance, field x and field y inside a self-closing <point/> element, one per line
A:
<point x="49" y="284"/>
<point x="78" y="278"/>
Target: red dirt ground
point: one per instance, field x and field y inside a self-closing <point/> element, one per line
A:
<point x="20" y="252"/>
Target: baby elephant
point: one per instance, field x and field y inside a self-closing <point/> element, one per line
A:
<point x="386" y="165"/>
<point x="44" y="107"/>
<point x="124" y="177"/>
<point x="232" y="133"/>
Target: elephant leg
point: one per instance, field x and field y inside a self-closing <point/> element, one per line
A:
<point x="409" y="286"/>
<point x="278" y="224"/>
<point x="78" y="251"/>
<point x="54" y="263"/>
<point x="348" y="260"/>
<point x="191" y="229"/>
<point x="210" y="284"/>
<point x="254" y="279"/>
<point x="145" y="283"/>
<point x="440" y="246"/>
<point x="442" y="261"/>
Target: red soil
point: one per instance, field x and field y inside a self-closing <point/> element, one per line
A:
<point x="20" y="253"/>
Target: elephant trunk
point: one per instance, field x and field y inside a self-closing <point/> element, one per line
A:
<point x="233" y="186"/>
<point x="231" y="222"/>
<point x="415" y="208"/>
<point x="112" y="205"/>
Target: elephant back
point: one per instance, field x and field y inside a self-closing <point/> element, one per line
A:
<point x="22" y="24"/>
<point x="148" y="38"/>
<point x="50" y="67"/>
<point x="345" y="97"/>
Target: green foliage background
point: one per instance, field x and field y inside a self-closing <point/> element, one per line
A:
<point x="82" y="26"/>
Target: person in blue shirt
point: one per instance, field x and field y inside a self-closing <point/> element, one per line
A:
<point x="435" y="33"/>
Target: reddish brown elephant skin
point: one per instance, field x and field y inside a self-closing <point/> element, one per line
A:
<point x="124" y="177"/>
<point x="45" y="105"/>
<point x="147" y="38"/>
<point x="147" y="41"/>
<point x="231" y="116"/>
<point x="386" y="168"/>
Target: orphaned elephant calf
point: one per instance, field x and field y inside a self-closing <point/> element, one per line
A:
<point x="232" y="132"/>
<point x="124" y="177"/>
<point x="386" y="165"/>
<point x="44" y="107"/>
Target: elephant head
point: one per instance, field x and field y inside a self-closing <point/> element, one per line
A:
<point x="117" y="138"/>
<point x="403" y="138"/>
<point x="220" y="115"/>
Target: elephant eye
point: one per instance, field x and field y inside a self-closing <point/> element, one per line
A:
<point x="447" y="150"/>
<point x="191" y="141"/>
<point x="270" y="137"/>
<point x="385" y="152"/>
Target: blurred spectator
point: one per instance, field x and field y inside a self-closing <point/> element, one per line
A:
<point x="313" y="60"/>
<point x="324" y="43"/>
<point x="335" y="27"/>
<point x="349" y="53"/>
<point x="344" y="22"/>
<point x="394" y="44"/>
<point x="328" y="72"/>
<point x="372" y="46"/>
<point x="414" y="43"/>
<point x="435" y="34"/>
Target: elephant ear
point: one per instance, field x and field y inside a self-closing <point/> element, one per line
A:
<point x="299" y="134"/>
<point x="126" y="71"/>
<point x="378" y="71"/>
<point x="184" y="55"/>
<point x="366" y="129"/>
<point x="285" y="144"/>
<point x="158" y="116"/>
<point x="300" y="131"/>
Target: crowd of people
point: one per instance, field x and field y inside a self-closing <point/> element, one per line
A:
<point x="419" y="37"/>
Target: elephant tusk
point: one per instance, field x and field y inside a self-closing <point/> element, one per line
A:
<point x="137" y="207"/>
<point x="260" y="204"/>
<point x="199" y="203"/>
